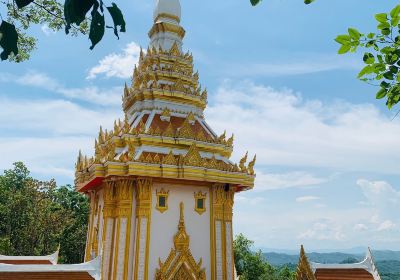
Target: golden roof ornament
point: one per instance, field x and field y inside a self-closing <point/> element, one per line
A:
<point x="186" y="130"/>
<point x="212" y="163"/>
<point x="141" y="127"/>
<point x="203" y="95"/>
<point x="221" y="139"/>
<point x="181" y="238"/>
<point x="78" y="165"/>
<point x="165" y="115"/>
<point x="101" y="136"/>
<point x="170" y="159"/>
<point x="126" y="126"/>
<point x="304" y="271"/>
<point x="169" y="132"/>
<point x="191" y="118"/>
<point x="251" y="165"/>
<point x="126" y="90"/>
<point x="131" y="150"/>
<point x="149" y="158"/>
<point x="243" y="162"/>
<point x="200" y="136"/>
<point x="229" y="142"/>
<point x="157" y="159"/>
<point x="193" y="157"/>
<point x="175" y="50"/>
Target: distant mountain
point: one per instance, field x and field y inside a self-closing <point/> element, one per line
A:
<point x="337" y="257"/>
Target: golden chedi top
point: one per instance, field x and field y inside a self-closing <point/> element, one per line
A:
<point x="164" y="133"/>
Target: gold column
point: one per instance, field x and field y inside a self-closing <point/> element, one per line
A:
<point x="109" y="194"/>
<point x="228" y="234"/>
<point x="90" y="228"/>
<point x="217" y="223"/>
<point x="143" y="216"/>
<point x="222" y="239"/>
<point x="123" y="211"/>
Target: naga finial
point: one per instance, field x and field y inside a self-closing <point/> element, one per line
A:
<point x="242" y="163"/>
<point x="251" y="165"/>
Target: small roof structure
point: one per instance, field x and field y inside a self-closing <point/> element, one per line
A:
<point x="30" y="260"/>
<point x="85" y="271"/>
<point x="365" y="270"/>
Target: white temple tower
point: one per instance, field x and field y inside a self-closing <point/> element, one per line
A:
<point x="161" y="183"/>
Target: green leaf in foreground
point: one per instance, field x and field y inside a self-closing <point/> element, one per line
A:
<point x="118" y="18"/>
<point x="75" y="12"/>
<point x="22" y="3"/>
<point x="308" y="1"/>
<point x="8" y="40"/>
<point x="254" y="2"/>
<point x="96" y="28"/>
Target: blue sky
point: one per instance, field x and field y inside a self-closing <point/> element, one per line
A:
<point x="327" y="155"/>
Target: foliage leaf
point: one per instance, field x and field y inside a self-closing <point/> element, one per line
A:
<point x="97" y="27"/>
<point x="23" y="3"/>
<point x="308" y="1"/>
<point x="118" y="18"/>
<point x="254" y="2"/>
<point x="395" y="11"/>
<point x="75" y="11"/>
<point x="8" y="40"/>
<point x="381" y="93"/>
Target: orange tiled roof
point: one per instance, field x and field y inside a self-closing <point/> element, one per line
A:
<point x="343" y="274"/>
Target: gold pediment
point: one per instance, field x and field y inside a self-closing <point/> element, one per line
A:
<point x="180" y="264"/>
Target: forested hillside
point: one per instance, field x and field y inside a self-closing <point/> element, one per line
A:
<point x="36" y="217"/>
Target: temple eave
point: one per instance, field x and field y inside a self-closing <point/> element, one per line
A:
<point x="91" y="179"/>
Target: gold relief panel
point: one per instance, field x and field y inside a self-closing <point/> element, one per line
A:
<point x="143" y="196"/>
<point x="200" y="202"/>
<point x="162" y="200"/>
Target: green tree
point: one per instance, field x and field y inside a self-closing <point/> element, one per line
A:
<point x="75" y="16"/>
<point x="37" y="216"/>
<point x="253" y="266"/>
<point x="381" y="56"/>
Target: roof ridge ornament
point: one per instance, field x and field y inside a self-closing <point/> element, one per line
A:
<point x="304" y="271"/>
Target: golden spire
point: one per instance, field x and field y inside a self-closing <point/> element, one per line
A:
<point x="181" y="239"/>
<point x="304" y="271"/>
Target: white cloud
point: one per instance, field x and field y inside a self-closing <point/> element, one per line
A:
<point x="284" y="129"/>
<point x="321" y="63"/>
<point x="53" y="117"/>
<point x="386" y="225"/>
<point x="307" y="198"/>
<point x="91" y="94"/>
<point x="47" y="30"/>
<point x="360" y="227"/>
<point x="322" y="231"/>
<point x="57" y="130"/>
<point x="117" y="65"/>
<point x="380" y="193"/>
<point x="272" y="181"/>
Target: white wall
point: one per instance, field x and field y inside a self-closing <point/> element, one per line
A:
<point x="165" y="225"/>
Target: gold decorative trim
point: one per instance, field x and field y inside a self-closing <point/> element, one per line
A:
<point x="167" y="27"/>
<point x="180" y="263"/>
<point x="197" y="196"/>
<point x="165" y="15"/>
<point x="164" y="194"/>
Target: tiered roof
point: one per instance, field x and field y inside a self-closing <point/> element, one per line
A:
<point x="164" y="133"/>
<point x="365" y="270"/>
